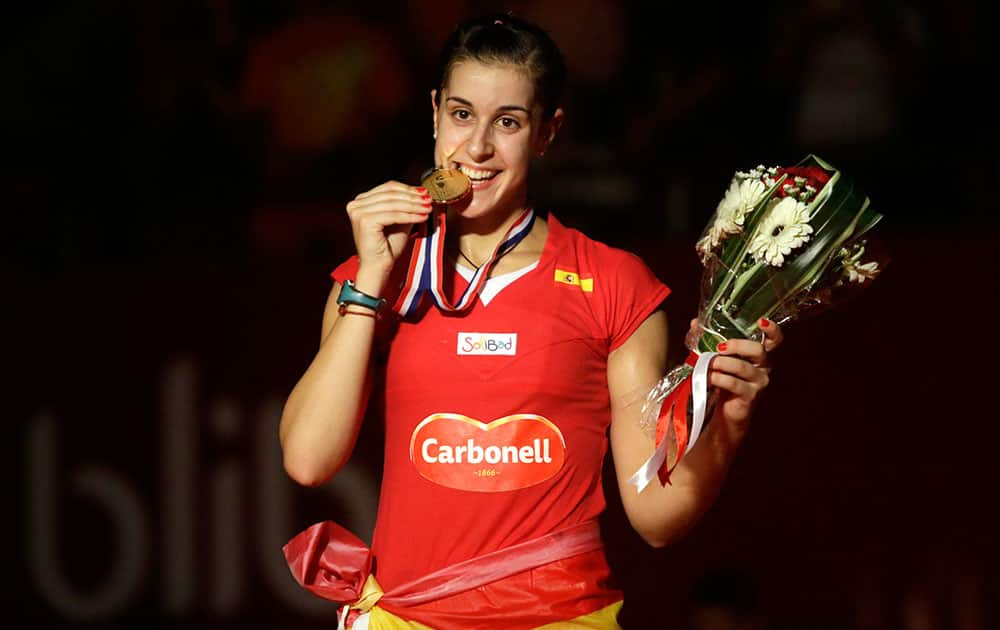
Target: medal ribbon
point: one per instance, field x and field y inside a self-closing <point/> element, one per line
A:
<point x="673" y="412"/>
<point x="426" y="270"/>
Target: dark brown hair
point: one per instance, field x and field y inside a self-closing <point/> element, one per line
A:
<point x="504" y="39"/>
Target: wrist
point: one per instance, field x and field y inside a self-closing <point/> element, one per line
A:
<point x="371" y="281"/>
<point x="351" y="297"/>
<point x="725" y="435"/>
<point x="351" y="309"/>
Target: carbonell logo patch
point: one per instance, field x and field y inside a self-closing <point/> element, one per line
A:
<point x="477" y="343"/>
<point x="509" y="453"/>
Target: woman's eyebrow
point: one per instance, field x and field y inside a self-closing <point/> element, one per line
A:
<point x="504" y="108"/>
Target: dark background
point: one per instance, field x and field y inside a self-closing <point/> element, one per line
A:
<point x="173" y="201"/>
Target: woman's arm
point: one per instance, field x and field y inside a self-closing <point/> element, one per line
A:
<point x="661" y="514"/>
<point x="322" y="416"/>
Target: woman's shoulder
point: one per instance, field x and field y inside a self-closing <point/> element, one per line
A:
<point x="573" y="242"/>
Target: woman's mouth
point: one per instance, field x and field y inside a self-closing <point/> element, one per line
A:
<point x="480" y="177"/>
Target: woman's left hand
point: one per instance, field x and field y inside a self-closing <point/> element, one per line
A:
<point x="742" y="371"/>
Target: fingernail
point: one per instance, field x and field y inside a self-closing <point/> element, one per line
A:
<point x="427" y="205"/>
<point x="421" y="189"/>
<point x="763" y="323"/>
<point x="722" y="346"/>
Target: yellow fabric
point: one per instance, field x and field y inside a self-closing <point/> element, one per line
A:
<point x="384" y="620"/>
<point x="604" y="619"/>
<point x="370" y="593"/>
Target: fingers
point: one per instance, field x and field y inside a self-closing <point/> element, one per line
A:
<point x="740" y="368"/>
<point x="391" y="196"/>
<point x="757" y="353"/>
<point x="390" y="204"/>
<point x="382" y="218"/>
<point x="773" y="335"/>
<point x="740" y="380"/>
<point x="393" y="186"/>
<point x="387" y="209"/>
<point x="751" y="351"/>
<point x="747" y="390"/>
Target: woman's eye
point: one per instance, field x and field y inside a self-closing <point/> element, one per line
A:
<point x="508" y="123"/>
<point x="462" y="114"/>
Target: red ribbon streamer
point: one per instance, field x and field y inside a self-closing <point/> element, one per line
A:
<point x="674" y="413"/>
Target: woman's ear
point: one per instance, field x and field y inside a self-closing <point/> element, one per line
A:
<point x="549" y="130"/>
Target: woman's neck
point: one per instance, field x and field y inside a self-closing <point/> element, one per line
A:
<point x="473" y="242"/>
<point x="476" y="238"/>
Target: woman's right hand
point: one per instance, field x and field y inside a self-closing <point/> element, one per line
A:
<point x="382" y="219"/>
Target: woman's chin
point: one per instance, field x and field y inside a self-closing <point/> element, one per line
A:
<point x="480" y="204"/>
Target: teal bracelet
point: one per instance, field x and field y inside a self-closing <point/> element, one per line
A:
<point x="350" y="295"/>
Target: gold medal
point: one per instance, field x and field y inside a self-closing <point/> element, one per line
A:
<point x="446" y="185"/>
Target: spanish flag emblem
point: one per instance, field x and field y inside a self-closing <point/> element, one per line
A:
<point x="572" y="278"/>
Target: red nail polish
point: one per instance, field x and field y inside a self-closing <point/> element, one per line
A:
<point x="722" y="346"/>
<point x="763" y="323"/>
<point x="421" y="189"/>
<point x="427" y="205"/>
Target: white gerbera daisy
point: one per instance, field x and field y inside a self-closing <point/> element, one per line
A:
<point x="786" y="227"/>
<point x="739" y="200"/>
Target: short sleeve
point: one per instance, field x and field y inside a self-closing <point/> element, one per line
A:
<point x="633" y="294"/>
<point x="347" y="270"/>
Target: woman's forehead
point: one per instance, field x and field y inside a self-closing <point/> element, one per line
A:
<point x="484" y="84"/>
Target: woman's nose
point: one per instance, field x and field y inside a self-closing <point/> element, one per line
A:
<point x="481" y="143"/>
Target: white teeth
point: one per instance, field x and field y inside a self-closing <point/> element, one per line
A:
<point x="477" y="175"/>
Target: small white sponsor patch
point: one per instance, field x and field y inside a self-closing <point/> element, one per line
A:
<point x="472" y="343"/>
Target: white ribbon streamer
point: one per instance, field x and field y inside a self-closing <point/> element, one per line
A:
<point x="699" y="393"/>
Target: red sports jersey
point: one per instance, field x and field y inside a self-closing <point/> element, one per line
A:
<point x="496" y="419"/>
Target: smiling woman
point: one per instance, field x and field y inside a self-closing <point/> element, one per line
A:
<point x="495" y="110"/>
<point x="489" y="127"/>
<point x="499" y="410"/>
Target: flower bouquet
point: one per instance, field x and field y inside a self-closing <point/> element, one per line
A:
<point x="783" y="241"/>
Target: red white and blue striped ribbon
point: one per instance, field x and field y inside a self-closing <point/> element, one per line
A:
<point x="426" y="271"/>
